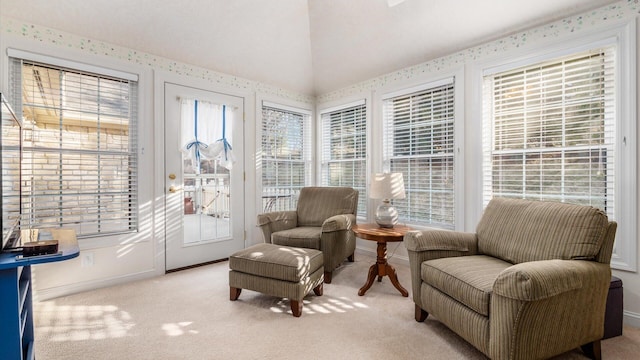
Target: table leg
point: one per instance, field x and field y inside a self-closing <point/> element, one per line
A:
<point x="382" y="268"/>
<point x="373" y="272"/>
<point x="394" y="280"/>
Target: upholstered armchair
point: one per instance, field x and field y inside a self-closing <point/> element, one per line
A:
<point x="322" y="221"/>
<point x="530" y="283"/>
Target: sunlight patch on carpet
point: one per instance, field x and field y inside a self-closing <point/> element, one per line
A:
<point x="83" y="322"/>
<point x="277" y="309"/>
<point x="177" y="329"/>
<point x="320" y="305"/>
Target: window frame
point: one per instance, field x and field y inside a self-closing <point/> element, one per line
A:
<point x="455" y="75"/>
<point x="623" y="37"/>
<point x="307" y="148"/>
<point x="134" y="140"/>
<point x="325" y="150"/>
<point x="545" y="99"/>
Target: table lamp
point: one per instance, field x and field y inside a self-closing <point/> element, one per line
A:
<point x="387" y="186"/>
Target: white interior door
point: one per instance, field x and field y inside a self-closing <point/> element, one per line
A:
<point x="203" y="177"/>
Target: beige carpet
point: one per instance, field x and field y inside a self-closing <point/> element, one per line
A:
<point x="188" y="315"/>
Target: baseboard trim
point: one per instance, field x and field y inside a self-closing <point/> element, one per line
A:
<point x="631" y="318"/>
<point x="51" y="293"/>
<point x="197" y="265"/>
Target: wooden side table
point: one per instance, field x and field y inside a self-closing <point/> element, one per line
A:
<point x="381" y="268"/>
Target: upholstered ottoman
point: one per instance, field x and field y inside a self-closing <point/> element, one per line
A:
<point x="276" y="270"/>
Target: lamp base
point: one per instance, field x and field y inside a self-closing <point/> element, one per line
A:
<point x="386" y="215"/>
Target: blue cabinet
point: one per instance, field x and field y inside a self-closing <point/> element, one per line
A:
<point x="16" y="309"/>
<point x="16" y="313"/>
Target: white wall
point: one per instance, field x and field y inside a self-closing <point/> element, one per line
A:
<point x="118" y="259"/>
<point x="468" y="65"/>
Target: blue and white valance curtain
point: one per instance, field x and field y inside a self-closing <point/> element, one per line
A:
<point x="206" y="132"/>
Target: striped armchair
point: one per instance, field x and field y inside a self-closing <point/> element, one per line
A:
<point x="321" y="221"/>
<point x="530" y="283"/>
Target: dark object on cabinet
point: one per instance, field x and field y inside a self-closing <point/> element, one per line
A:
<point x="36" y="248"/>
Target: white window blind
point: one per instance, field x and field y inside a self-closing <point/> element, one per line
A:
<point x="80" y="148"/>
<point x="10" y="141"/>
<point x="419" y="143"/>
<point x="286" y="156"/>
<point x="550" y="131"/>
<point x="344" y="151"/>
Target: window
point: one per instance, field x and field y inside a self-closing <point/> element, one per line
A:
<point x="551" y="129"/>
<point x="286" y="156"/>
<point x="419" y="143"/>
<point x="344" y="150"/>
<point x="561" y="126"/>
<point x="80" y="142"/>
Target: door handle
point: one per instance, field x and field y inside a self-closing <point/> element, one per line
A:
<point x="173" y="188"/>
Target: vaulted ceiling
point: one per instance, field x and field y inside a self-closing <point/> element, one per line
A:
<point x="309" y="46"/>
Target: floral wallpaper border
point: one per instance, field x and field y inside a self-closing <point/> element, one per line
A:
<point x="626" y="9"/>
<point x="55" y="37"/>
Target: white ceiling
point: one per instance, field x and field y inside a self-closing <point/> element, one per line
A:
<point x="310" y="46"/>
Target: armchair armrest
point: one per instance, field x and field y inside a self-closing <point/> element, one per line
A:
<point x="533" y="302"/>
<point x="423" y="245"/>
<point x="337" y="240"/>
<point x="338" y="222"/>
<point x="538" y="280"/>
<point x="276" y="221"/>
<point x="440" y="240"/>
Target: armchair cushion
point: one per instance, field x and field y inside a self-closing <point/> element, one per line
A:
<point x="518" y="231"/>
<point x="303" y="237"/>
<point x="316" y="204"/>
<point x="467" y="279"/>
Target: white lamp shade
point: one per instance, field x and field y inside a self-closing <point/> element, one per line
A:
<point x="387" y="186"/>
